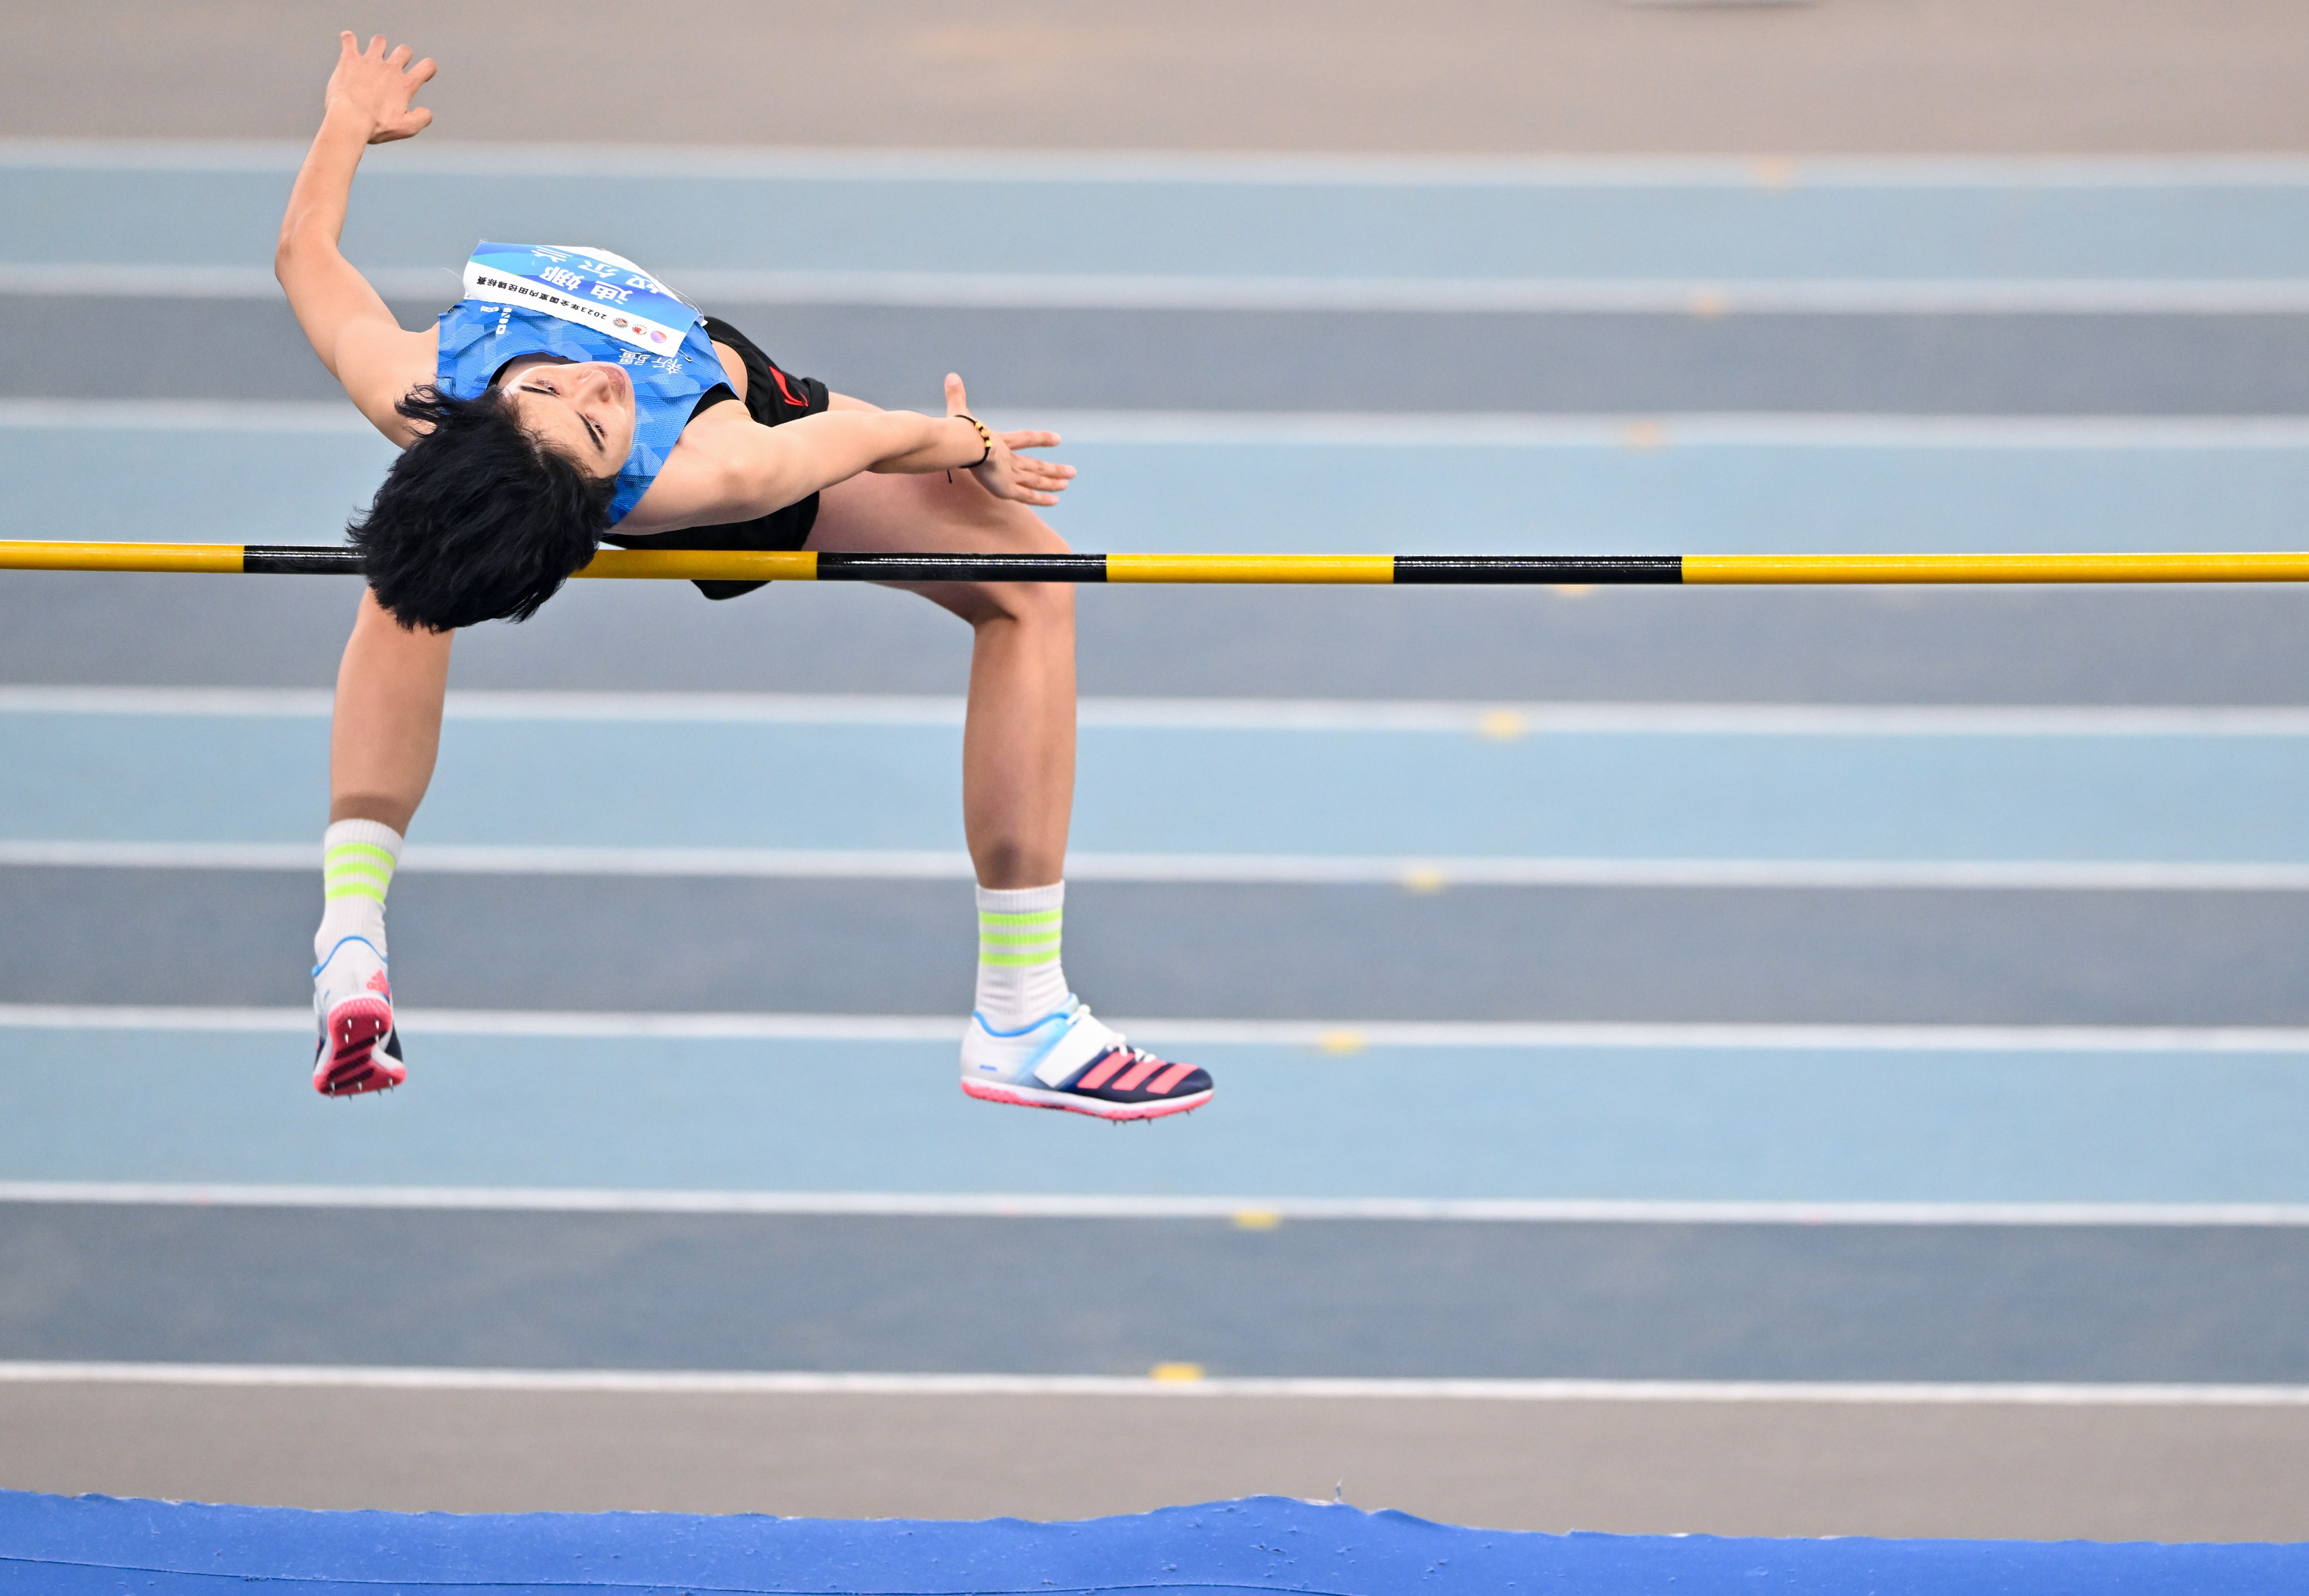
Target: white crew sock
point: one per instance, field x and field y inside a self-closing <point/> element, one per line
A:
<point x="1019" y="980"/>
<point x="357" y="861"/>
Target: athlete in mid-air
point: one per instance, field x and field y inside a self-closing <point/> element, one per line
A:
<point x="571" y="399"/>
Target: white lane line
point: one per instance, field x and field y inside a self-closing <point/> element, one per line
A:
<point x="610" y="1025"/>
<point x="1664" y="430"/>
<point x="1412" y="873"/>
<point x="904" y="164"/>
<point x="1504" y="296"/>
<point x="1498" y="721"/>
<point x="1049" y="291"/>
<point x="1364" y="430"/>
<point x="1337" y="1036"/>
<point x="1252" y="1213"/>
<point x="637" y="1382"/>
<point x="184" y="415"/>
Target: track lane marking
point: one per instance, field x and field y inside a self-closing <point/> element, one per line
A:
<point x="1372" y="429"/>
<point x="812" y="1384"/>
<point x="1422" y="873"/>
<point x="914" y="164"/>
<point x="1266" y="1211"/>
<point x="1488" y="718"/>
<point x="1292" y="293"/>
<point x="1326" y="1035"/>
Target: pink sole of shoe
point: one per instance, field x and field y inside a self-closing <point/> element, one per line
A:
<point x="988" y="1091"/>
<point x="352" y="1064"/>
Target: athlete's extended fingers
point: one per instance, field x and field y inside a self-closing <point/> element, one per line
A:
<point x="422" y="73"/>
<point x="1036" y="489"/>
<point x="399" y="56"/>
<point x="375" y="46"/>
<point x="1005" y="477"/>
<point x="1045" y="473"/>
<point x="1028" y="440"/>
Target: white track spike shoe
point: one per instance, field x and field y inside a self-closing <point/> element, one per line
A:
<point x="358" y="1049"/>
<point x="1067" y="1060"/>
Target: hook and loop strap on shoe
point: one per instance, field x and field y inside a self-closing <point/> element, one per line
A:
<point x="1408" y="570"/>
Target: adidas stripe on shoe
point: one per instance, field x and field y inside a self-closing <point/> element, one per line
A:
<point x="1067" y="1060"/>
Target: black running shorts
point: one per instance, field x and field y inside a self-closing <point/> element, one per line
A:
<point x="772" y="396"/>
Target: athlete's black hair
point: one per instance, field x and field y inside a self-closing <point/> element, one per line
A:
<point x="476" y="521"/>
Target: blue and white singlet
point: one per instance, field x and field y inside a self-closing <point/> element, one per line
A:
<point x="583" y="304"/>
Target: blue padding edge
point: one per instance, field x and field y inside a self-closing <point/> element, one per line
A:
<point x="85" y="1545"/>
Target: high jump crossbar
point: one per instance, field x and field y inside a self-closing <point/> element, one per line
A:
<point x="1696" y="570"/>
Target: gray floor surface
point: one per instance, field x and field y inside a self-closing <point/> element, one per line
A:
<point x="1209" y="952"/>
<point x="1116" y="1297"/>
<point x="2054" y="77"/>
<point x="1829" y="645"/>
<point x="1308" y="360"/>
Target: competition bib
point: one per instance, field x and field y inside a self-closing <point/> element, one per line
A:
<point x="589" y="286"/>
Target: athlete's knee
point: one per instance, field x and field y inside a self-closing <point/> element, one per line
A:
<point x="1036" y="604"/>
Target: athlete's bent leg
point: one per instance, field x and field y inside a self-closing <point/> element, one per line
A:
<point x="1030" y="1041"/>
<point x="383" y="741"/>
<point x="1019" y="740"/>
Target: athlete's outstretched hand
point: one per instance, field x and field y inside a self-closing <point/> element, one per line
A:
<point x="1008" y="474"/>
<point x="374" y="89"/>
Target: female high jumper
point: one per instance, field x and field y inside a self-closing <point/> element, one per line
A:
<point x="571" y="399"/>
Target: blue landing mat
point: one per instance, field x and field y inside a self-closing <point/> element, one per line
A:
<point x="88" y="1545"/>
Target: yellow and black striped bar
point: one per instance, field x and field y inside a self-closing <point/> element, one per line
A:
<point x="1407" y="570"/>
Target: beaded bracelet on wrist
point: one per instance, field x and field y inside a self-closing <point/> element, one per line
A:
<point x="984" y="437"/>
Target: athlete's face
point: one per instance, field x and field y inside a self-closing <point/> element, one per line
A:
<point x="582" y="410"/>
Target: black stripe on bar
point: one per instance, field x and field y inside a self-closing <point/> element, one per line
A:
<point x="961" y="567"/>
<point x="1567" y="570"/>
<point x="292" y="559"/>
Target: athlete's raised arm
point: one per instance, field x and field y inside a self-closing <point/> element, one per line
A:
<point x="344" y="318"/>
<point x="729" y="469"/>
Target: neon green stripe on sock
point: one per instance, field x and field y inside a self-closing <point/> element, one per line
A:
<point x="341" y="851"/>
<point x="356" y="870"/>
